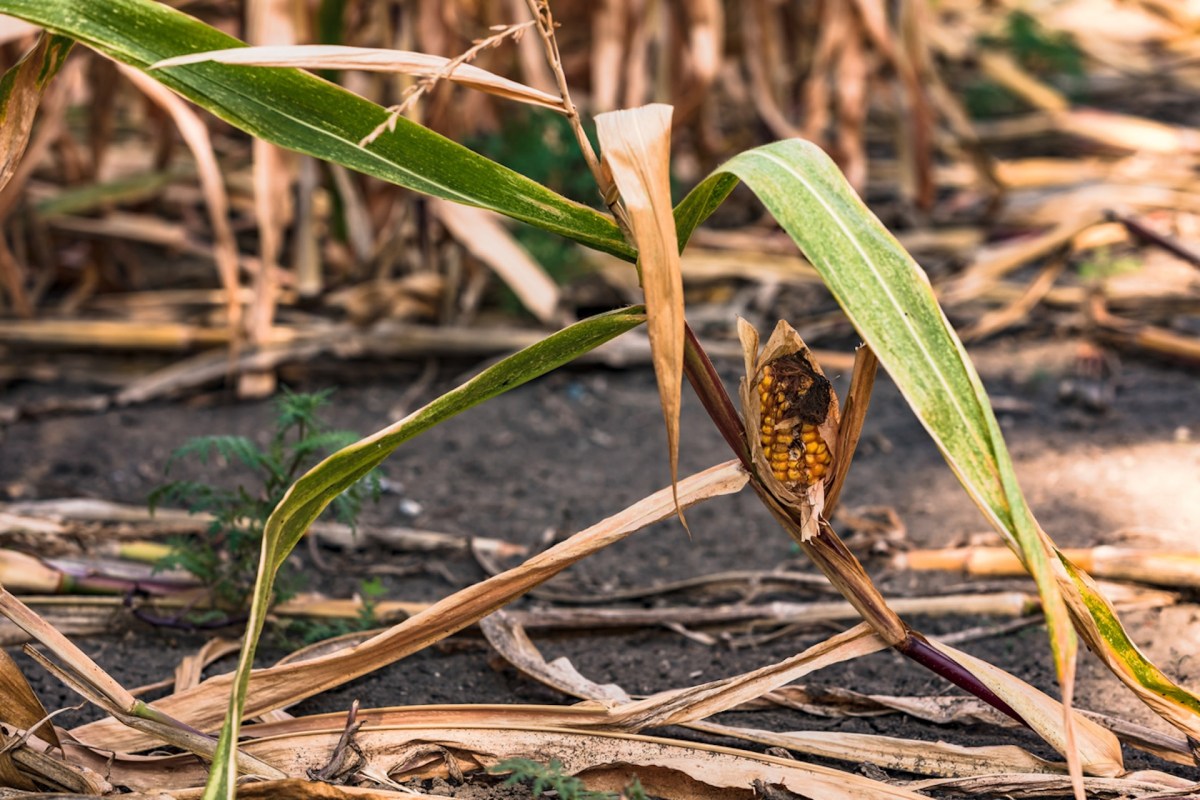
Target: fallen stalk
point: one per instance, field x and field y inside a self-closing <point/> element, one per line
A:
<point x="101" y="521"/>
<point x="1155" y="567"/>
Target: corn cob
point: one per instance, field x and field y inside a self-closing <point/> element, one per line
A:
<point x="794" y="401"/>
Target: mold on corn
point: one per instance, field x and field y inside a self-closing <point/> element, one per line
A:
<point x="792" y="422"/>
<point x="793" y="402"/>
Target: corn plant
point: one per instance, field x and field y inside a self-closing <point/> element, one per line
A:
<point x="786" y="402"/>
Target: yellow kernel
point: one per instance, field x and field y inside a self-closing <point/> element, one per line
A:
<point x="766" y="440"/>
<point x="821" y="448"/>
<point x="780" y="397"/>
<point x="812" y="447"/>
<point x="818" y="471"/>
<point x="794" y="474"/>
<point x="808" y="434"/>
<point x="810" y="459"/>
<point x="783" y="438"/>
<point x="768" y="425"/>
<point x="780" y="475"/>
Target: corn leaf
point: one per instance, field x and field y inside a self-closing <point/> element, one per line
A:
<point x="21" y="89"/>
<point x="637" y="149"/>
<point x="301" y="112"/>
<point x="317" y="488"/>
<point x="889" y="300"/>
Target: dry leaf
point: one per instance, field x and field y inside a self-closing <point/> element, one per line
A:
<point x="1099" y="751"/>
<point x="636" y="145"/>
<point x="889" y="752"/>
<point x="19" y="103"/>
<point x="195" y="135"/>
<point x="374" y="60"/>
<point x="483" y="235"/>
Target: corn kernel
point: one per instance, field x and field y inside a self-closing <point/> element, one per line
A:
<point x="793" y="400"/>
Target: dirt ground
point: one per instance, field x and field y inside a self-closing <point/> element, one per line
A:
<point x="576" y="446"/>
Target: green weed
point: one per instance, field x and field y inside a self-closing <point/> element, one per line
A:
<point x="225" y="558"/>
<point x="547" y="778"/>
<point x="1105" y="263"/>
<point x="1052" y="56"/>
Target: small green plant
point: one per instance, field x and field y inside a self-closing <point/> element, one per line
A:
<point x="225" y="559"/>
<point x="1106" y="263"/>
<point x="546" y="778"/>
<point x="1050" y="55"/>
<point x="1042" y="51"/>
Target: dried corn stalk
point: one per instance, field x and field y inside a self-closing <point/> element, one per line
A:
<point x="792" y="420"/>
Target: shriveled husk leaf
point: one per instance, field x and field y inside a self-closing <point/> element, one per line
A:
<point x="786" y="346"/>
<point x="30" y="763"/>
<point x="21" y="709"/>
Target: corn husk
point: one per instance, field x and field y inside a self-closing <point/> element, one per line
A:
<point x="809" y="501"/>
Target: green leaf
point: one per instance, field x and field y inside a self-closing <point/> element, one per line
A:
<point x="888" y="298"/>
<point x="316" y="489"/>
<point x="297" y="110"/>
